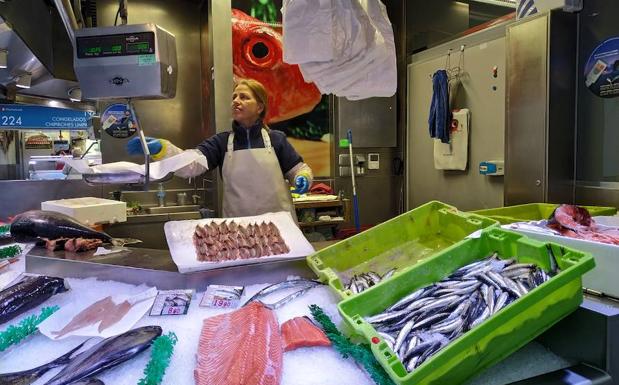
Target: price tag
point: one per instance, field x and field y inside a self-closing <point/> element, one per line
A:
<point x="171" y="302"/>
<point x="222" y="297"/>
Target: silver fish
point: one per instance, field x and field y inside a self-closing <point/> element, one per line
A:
<point x="298" y="283"/>
<point x="501" y="301"/>
<point x="447" y="326"/>
<point x="29" y="376"/>
<point x="407" y="300"/>
<point x="106" y="354"/>
<point x="403" y="334"/>
<point x="426" y="320"/>
<point x="485" y="314"/>
<point x="386" y="316"/>
<point x="388" y="274"/>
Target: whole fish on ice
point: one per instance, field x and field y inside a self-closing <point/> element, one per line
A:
<point x="29" y="376"/>
<point x="258" y="54"/>
<point x="106" y="354"/>
<point x="27" y="294"/>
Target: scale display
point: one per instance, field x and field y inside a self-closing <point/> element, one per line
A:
<point x="140" y="43"/>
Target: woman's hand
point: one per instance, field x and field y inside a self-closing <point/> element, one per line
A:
<point x="302" y="184"/>
<point x="134" y="147"/>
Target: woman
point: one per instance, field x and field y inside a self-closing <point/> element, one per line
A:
<point x="254" y="160"/>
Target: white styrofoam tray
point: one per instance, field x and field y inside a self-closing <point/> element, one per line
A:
<point x="603" y="278"/>
<point x="179" y="235"/>
<point x="89" y="210"/>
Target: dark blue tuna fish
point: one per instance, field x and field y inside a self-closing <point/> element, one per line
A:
<point x="29" y="376"/>
<point x="106" y="354"/>
<point x="36" y="225"/>
<point x="27" y="294"/>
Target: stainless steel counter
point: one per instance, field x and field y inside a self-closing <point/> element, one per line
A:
<point x="148" y="228"/>
<point x="156" y="268"/>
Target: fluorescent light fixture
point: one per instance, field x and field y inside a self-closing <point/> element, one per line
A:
<point x="501" y="3"/>
<point x="4" y="58"/>
<point x="75" y="94"/>
<point x="23" y="80"/>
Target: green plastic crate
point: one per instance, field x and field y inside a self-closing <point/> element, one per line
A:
<point x="399" y="242"/>
<point x="497" y="337"/>
<point x="534" y="212"/>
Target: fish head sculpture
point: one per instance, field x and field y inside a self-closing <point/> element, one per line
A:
<point x="257" y="53"/>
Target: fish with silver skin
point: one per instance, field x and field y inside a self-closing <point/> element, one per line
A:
<point x="27" y="294"/>
<point x="423" y="322"/>
<point x="363" y="281"/>
<point x="29" y="376"/>
<point x="106" y="354"/>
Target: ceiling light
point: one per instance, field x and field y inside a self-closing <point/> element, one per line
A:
<point x="4" y="57"/>
<point x="75" y="94"/>
<point x="23" y="80"/>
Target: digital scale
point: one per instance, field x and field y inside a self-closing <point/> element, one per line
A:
<point x="130" y="61"/>
<point x="127" y="62"/>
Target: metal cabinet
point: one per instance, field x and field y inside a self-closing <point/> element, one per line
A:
<point x="540" y="126"/>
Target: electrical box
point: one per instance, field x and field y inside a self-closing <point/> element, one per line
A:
<point x="373" y="161"/>
<point x="492" y="168"/>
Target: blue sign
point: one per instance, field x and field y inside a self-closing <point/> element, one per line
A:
<point x="602" y="69"/>
<point x="21" y="116"/>
<point x="118" y="121"/>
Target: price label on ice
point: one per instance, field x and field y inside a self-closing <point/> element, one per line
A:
<point x="222" y="297"/>
<point x="171" y="302"/>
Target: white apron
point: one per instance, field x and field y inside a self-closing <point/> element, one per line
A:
<point x="253" y="181"/>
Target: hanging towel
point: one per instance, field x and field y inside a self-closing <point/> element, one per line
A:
<point x="454" y="155"/>
<point x="440" y="114"/>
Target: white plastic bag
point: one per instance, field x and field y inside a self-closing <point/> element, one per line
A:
<point x="361" y="43"/>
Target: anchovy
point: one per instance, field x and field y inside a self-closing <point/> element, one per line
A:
<point x="35" y="225"/>
<point x="386" y="316"/>
<point x="426" y="320"/>
<point x="447" y="326"/>
<point x="501" y="302"/>
<point x="485" y="314"/>
<point x="363" y="281"/>
<point x="106" y="354"/>
<point x="388" y="274"/>
<point x="403" y="334"/>
<point x="27" y="294"/>
<point x="29" y="376"/>
<point x="407" y="300"/>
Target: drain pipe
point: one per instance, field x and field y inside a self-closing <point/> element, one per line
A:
<point x="68" y="18"/>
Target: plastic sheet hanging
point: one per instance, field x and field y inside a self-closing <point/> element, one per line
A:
<point x="355" y="60"/>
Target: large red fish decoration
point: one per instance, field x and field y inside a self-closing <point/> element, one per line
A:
<point x="257" y="52"/>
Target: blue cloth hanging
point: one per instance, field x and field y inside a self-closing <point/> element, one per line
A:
<point x="440" y="115"/>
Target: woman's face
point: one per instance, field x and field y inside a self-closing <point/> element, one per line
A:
<point x="246" y="108"/>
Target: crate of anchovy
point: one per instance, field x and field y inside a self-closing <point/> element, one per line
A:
<point x="454" y="314"/>
<point x="360" y="262"/>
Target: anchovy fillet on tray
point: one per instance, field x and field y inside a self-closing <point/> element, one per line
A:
<point x="230" y="241"/>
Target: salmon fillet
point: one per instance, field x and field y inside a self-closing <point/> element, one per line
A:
<point x="243" y="347"/>
<point x="300" y="332"/>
